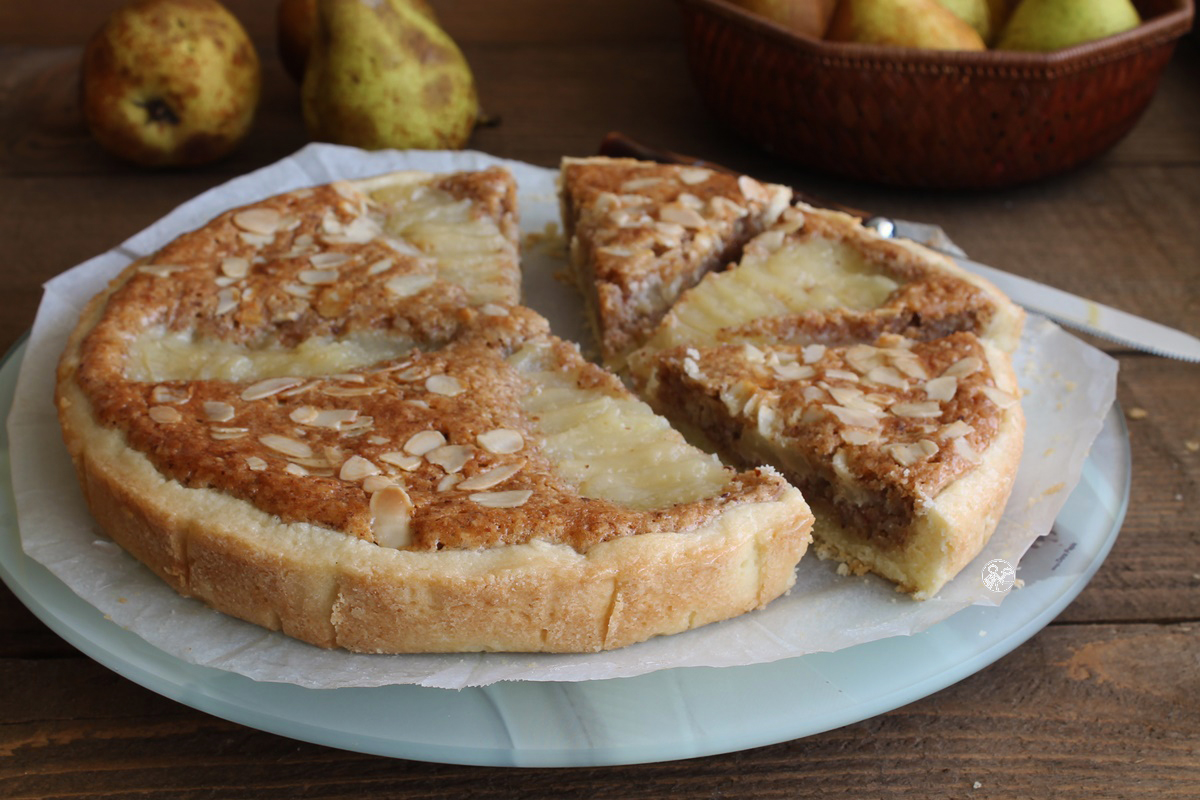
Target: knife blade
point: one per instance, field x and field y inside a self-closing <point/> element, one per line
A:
<point x="1062" y="307"/>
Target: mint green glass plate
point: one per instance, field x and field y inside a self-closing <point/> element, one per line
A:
<point x="665" y="715"/>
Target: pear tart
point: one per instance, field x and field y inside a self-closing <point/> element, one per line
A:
<point x="874" y="374"/>
<point x="326" y="414"/>
<point x="642" y="233"/>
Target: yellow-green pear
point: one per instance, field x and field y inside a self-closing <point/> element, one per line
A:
<point x="383" y="74"/>
<point x="902" y="23"/>
<point x="807" y="17"/>
<point x="1054" y="24"/>
<point x="973" y="12"/>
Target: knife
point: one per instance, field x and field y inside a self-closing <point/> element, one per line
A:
<point x="1062" y="307"/>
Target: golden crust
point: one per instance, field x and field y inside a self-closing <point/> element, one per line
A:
<point x="260" y="498"/>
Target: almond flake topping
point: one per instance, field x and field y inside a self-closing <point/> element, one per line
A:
<point x="493" y="310"/>
<point x="268" y="387"/>
<point x="886" y="376"/>
<point x="421" y="443"/>
<point x="964" y="450"/>
<point x="450" y="457"/>
<point x="640" y="183"/>
<point x="373" y="483"/>
<point x="794" y="372"/>
<point x="380" y="266"/>
<point x="255" y="463"/>
<point x="858" y="436"/>
<point x="907" y="454"/>
<point x="813" y="353"/>
<point x="217" y="411"/>
<point x="328" y="260"/>
<point x="264" y="221"/>
<point x="404" y="461"/>
<point x="693" y="175"/>
<point x="296" y="469"/>
<point x="227" y="433"/>
<point x="941" y="389"/>
<point x="501" y="441"/>
<point x="168" y="395"/>
<point x="227" y="300"/>
<point x="1000" y="397"/>
<point x="162" y="270"/>
<point x="446" y="385"/>
<point x="165" y="415"/>
<point x="356" y="468"/>
<point x="490" y="478"/>
<point x="855" y="418"/>
<point x="963" y="367"/>
<point x="410" y="284"/>
<point x="511" y="499"/>
<point x="449" y="481"/>
<point x="235" y="267"/>
<point x="681" y="215"/>
<point x="286" y="445"/>
<point x="928" y="409"/>
<point x="956" y="429"/>
<point x="391" y="517"/>
<point x="317" y="277"/>
<point x="841" y="375"/>
<point x="296" y="290"/>
<point x="351" y="391"/>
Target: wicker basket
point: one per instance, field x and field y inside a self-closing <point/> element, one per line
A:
<point x="926" y="118"/>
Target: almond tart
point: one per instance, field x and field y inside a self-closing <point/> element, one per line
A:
<point x="326" y="414"/>
<point x="874" y="374"/>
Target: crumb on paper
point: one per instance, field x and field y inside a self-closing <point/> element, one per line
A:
<point x="1049" y="452"/>
<point x="1192" y="446"/>
<point x="983" y="633"/>
<point x="976" y="785"/>
<point x="1137" y="412"/>
<point x="1019" y="583"/>
<point x="549" y="239"/>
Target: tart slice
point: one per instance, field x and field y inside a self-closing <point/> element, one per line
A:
<point x="641" y="233"/>
<point x="324" y="413"/>
<point x="906" y="450"/>
<point x="874" y="374"/>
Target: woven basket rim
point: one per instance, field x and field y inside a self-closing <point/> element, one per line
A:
<point x="1156" y="31"/>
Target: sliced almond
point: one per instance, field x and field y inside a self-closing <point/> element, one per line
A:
<point x="854" y="417"/>
<point x="356" y="468"/>
<point x="351" y="391"/>
<point x="264" y="221"/>
<point x="964" y="450"/>
<point x="694" y="175"/>
<point x="858" y="436"/>
<point x="410" y="284"/>
<point x="235" y="267"/>
<point x="374" y="483"/>
<point x="927" y="409"/>
<point x="514" y="498"/>
<point x="169" y="395"/>
<point x="255" y="463"/>
<point x="286" y="445"/>
<point x="813" y="353"/>
<point x="446" y="385"/>
<point x="268" y="387"/>
<point x="391" y="517"/>
<point x="404" y="461"/>
<point x="165" y="415"/>
<point x="324" y="261"/>
<point x="218" y="411"/>
<point x="221" y="433"/>
<point x="317" y="277"/>
<point x="449" y="481"/>
<point x="842" y="375"/>
<point x="941" y="389"/>
<point x="490" y="478"/>
<point x="501" y="441"/>
<point x="381" y="266"/>
<point x="162" y="270"/>
<point x="908" y="453"/>
<point x="228" y="299"/>
<point x="886" y="376"/>
<point x="681" y="215"/>
<point x="450" y="457"/>
<point x="956" y="429"/>
<point x="421" y="443"/>
<point x="296" y="469"/>
<point x="638" y="184"/>
<point x="794" y="372"/>
<point x="964" y="367"/>
<point x="1000" y="397"/>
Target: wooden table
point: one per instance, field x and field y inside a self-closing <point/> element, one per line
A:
<point x="1102" y="703"/>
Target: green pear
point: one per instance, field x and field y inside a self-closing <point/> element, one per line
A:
<point x="806" y="17"/>
<point x="383" y="74"/>
<point x="973" y="12"/>
<point x="1054" y="24"/>
<point x="903" y="23"/>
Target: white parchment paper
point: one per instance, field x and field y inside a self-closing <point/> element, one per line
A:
<point x="1069" y="388"/>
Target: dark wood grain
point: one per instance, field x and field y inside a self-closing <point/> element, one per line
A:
<point x="1101" y="704"/>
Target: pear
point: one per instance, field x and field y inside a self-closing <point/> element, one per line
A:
<point x="383" y="74"/>
<point x="973" y="12"/>
<point x="903" y="23"/>
<point x="806" y="17"/>
<point x="1054" y="24"/>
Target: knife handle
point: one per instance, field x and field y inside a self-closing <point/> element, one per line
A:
<point x="617" y="145"/>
